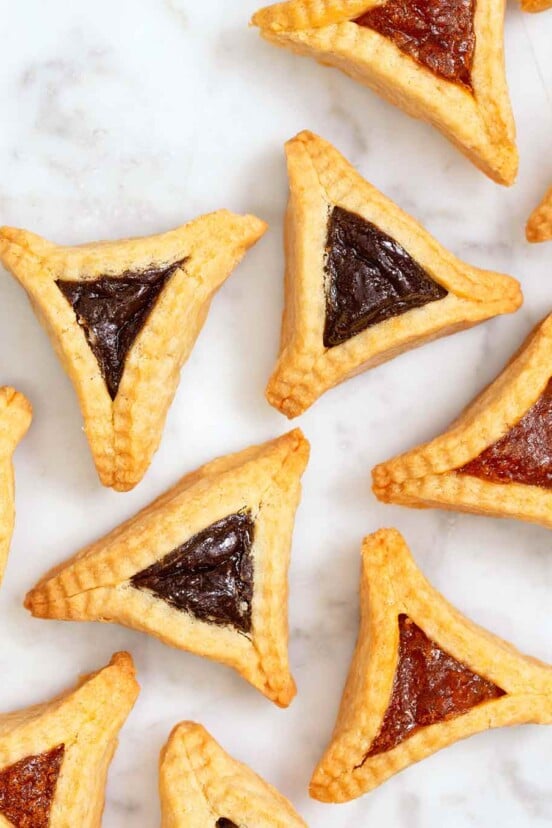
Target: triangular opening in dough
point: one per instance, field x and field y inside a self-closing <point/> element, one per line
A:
<point x="27" y="788"/>
<point x="210" y="575"/>
<point x="113" y="311"/>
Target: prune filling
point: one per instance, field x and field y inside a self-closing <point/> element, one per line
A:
<point x="370" y="277"/>
<point x="211" y="575"/>
<point x="112" y="311"/>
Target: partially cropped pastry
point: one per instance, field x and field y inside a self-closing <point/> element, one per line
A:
<point x="201" y="786"/>
<point x="364" y="281"/>
<point x="203" y="568"/>
<point x="536" y="5"/>
<point x="15" y="419"/>
<point x="422" y="677"/>
<point x="54" y="757"/>
<point x="496" y="458"/>
<point x="438" y="60"/>
<point x="123" y="317"/>
<point x="539" y="225"/>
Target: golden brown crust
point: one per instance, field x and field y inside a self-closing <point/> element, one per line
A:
<point x="391" y="585"/>
<point x="480" y="124"/>
<point x="15" y="419"/>
<point x="86" y="721"/>
<point x="124" y="433"/>
<point x="425" y="476"/>
<point x="536" y="5"/>
<point x="320" y="177"/>
<point x="94" y="585"/>
<point x="200" y="784"/>
<point x="539" y="225"/>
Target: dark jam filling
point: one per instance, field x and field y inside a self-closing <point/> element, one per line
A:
<point x="27" y="789"/>
<point x="210" y="576"/>
<point x="225" y="823"/>
<point x="112" y="311"/>
<point x="524" y="454"/>
<point x="430" y="686"/>
<point x="438" y="34"/>
<point x="369" y="278"/>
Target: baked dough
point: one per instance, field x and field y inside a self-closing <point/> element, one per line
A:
<point x="15" y="419"/>
<point x="124" y="420"/>
<point x="109" y="580"/>
<point x="536" y="5"/>
<point x="539" y="225"/>
<point x="478" y="121"/>
<point x="431" y="475"/>
<point x="201" y="786"/>
<point x="392" y="586"/>
<point x="321" y="180"/>
<point x="54" y="757"/>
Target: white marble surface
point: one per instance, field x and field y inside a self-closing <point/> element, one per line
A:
<point x="126" y="117"/>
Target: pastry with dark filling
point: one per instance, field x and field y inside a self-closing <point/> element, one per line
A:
<point x="54" y="757"/>
<point x="201" y="786"/>
<point x="124" y="317"/>
<point x="439" y="60"/>
<point x="539" y="225"/>
<point x="203" y="568"/>
<point x="496" y="458"/>
<point x="422" y="677"/>
<point x="364" y="281"/>
<point x="15" y="419"/>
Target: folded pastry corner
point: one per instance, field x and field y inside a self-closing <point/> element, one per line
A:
<point x="539" y="224"/>
<point x="15" y="419"/>
<point x="440" y="61"/>
<point x="422" y="677"/>
<point x="496" y="458"/>
<point x="203" y="568"/>
<point x="201" y="786"/>
<point x="364" y="281"/>
<point x="123" y="317"/>
<point x="54" y="757"/>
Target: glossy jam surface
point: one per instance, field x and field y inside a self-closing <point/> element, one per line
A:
<point x="369" y="278"/>
<point x="225" y="823"/>
<point x="112" y="311"/>
<point x="430" y="686"/>
<point x="27" y="789"/>
<point x="210" y="576"/>
<point x="437" y="33"/>
<point x="524" y="454"/>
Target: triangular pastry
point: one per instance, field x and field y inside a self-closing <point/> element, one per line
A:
<point x="201" y="786"/>
<point x="422" y="677"/>
<point x="496" y="458"/>
<point x="203" y="568"/>
<point x="124" y="316"/>
<point x="441" y="61"/>
<point x="364" y="281"/>
<point x="539" y="225"/>
<point x="15" y="419"/>
<point x="54" y="757"/>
